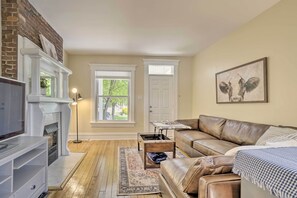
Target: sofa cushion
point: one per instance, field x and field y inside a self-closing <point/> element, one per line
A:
<point x="213" y="147"/>
<point x="211" y="125"/>
<point x="188" y="136"/>
<point x="174" y="171"/>
<point x="209" y="165"/>
<point x="189" y="150"/>
<point x="242" y="133"/>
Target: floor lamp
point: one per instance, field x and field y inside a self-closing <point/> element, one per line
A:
<point x="76" y="98"/>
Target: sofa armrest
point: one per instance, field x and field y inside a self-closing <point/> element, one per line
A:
<point x="222" y="185"/>
<point x="193" y="123"/>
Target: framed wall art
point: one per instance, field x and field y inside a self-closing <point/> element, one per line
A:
<point x="246" y="83"/>
<point x="48" y="47"/>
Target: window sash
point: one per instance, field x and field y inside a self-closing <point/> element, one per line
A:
<point x="99" y="109"/>
<point x="99" y="92"/>
<point x="161" y="69"/>
<point x="113" y="74"/>
<point x="100" y="114"/>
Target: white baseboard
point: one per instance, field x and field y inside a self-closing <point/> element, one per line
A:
<point x="104" y="136"/>
<point x="108" y="136"/>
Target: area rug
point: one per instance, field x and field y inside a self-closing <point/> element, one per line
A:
<point x="133" y="179"/>
<point x="61" y="170"/>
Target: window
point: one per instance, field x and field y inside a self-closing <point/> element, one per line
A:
<point x="161" y="69"/>
<point x="113" y="95"/>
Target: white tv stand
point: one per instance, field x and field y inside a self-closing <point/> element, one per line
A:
<point x="23" y="168"/>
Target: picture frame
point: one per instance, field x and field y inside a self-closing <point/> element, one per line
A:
<point x="245" y="83"/>
<point x="48" y="47"/>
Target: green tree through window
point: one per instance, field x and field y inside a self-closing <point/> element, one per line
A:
<point x="113" y="99"/>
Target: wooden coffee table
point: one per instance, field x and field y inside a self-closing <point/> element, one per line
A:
<point x="154" y="143"/>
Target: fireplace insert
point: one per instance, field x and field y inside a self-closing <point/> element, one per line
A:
<point x="51" y="131"/>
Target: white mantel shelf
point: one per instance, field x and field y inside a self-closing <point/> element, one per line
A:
<point x="34" y="99"/>
<point x="33" y="52"/>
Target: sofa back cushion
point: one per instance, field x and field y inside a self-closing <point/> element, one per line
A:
<point x="193" y="123"/>
<point x="243" y="133"/>
<point x="209" y="165"/>
<point x="211" y="125"/>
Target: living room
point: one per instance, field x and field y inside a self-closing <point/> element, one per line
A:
<point x="251" y="30"/>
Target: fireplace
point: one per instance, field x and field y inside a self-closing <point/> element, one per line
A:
<point x="46" y="114"/>
<point x="51" y="131"/>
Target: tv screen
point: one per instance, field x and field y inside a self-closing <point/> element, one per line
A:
<point x="12" y="108"/>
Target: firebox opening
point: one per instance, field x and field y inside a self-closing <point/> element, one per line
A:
<point x="51" y="131"/>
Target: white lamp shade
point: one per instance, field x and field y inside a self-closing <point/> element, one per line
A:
<point x="74" y="90"/>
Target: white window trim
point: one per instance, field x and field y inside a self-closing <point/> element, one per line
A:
<point x="148" y="62"/>
<point x="112" y="67"/>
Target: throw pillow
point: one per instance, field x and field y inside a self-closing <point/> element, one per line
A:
<point x="209" y="165"/>
<point x="287" y="143"/>
<point x="274" y="132"/>
<point x="282" y="138"/>
<point x="233" y="151"/>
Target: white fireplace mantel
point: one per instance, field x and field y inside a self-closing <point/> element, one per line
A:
<point x="42" y="62"/>
<point x="43" y="110"/>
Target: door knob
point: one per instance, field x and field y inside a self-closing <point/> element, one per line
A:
<point x="33" y="187"/>
<point x="151" y="111"/>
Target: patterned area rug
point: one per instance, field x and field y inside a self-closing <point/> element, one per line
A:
<point x="133" y="179"/>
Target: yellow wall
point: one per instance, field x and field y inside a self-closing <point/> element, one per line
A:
<point x="65" y="58"/>
<point x="79" y="64"/>
<point x="272" y="34"/>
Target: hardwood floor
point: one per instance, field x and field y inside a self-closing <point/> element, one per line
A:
<point x="96" y="177"/>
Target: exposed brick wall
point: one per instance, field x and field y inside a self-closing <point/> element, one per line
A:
<point x="10" y="21"/>
<point x="32" y="24"/>
<point x="20" y="17"/>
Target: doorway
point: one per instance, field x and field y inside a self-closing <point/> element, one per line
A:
<point x="160" y="92"/>
<point x="161" y="105"/>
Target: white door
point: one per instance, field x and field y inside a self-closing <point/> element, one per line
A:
<point x="161" y="99"/>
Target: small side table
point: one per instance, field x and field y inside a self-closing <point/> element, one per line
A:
<point x="166" y="125"/>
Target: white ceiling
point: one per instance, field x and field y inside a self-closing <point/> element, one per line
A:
<point x="146" y="27"/>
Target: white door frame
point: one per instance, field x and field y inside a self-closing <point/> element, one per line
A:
<point x="148" y="62"/>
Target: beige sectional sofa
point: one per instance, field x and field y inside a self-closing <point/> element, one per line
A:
<point x="215" y="136"/>
<point x="209" y="136"/>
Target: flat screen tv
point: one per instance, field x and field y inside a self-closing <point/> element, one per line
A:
<point x="12" y="108"/>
